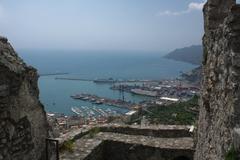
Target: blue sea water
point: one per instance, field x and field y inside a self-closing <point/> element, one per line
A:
<point x="55" y="94"/>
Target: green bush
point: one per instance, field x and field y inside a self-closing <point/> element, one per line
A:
<point x="93" y="132"/>
<point x="67" y="146"/>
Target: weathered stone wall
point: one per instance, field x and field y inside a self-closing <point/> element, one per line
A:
<point x="113" y="150"/>
<point x="153" y="131"/>
<point x="23" y="124"/>
<point x="220" y="96"/>
<point x="131" y="143"/>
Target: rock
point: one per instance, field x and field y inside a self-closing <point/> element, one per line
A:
<point x="3" y="141"/>
<point x="220" y="97"/>
<point x="3" y="39"/>
<point x="236" y="136"/>
<point x="23" y="120"/>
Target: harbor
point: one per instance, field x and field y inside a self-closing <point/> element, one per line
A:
<point x="165" y="88"/>
<point x="113" y="101"/>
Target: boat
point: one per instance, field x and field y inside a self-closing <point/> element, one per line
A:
<point x="110" y="80"/>
<point x="92" y="100"/>
<point x="85" y="98"/>
<point x="98" y="102"/>
<point x="74" y="110"/>
<point x="77" y="96"/>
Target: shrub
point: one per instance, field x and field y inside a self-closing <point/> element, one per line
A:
<point x="67" y="146"/>
<point x="93" y="132"/>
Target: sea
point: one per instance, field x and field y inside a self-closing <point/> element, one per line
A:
<point x="125" y="65"/>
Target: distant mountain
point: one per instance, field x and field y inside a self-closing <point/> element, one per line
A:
<point x="191" y="54"/>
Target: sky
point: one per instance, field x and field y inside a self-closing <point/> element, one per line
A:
<point x="144" y="25"/>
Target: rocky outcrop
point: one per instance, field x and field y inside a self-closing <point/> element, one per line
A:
<point x="23" y="124"/>
<point x="220" y="96"/>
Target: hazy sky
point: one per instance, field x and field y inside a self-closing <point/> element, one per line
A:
<point x="154" y="25"/>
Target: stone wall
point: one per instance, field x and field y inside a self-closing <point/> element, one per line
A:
<point x="164" y="131"/>
<point x="220" y="95"/>
<point x="113" y="150"/>
<point x="113" y="142"/>
<point x="23" y="124"/>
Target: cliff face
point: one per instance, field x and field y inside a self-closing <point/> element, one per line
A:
<point x="220" y="96"/>
<point x="23" y="124"/>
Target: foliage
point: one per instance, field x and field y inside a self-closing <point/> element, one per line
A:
<point x="180" y="113"/>
<point x="67" y="146"/>
<point x="231" y="154"/>
<point x="93" y="132"/>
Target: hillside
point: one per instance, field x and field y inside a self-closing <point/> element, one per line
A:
<point x="194" y="76"/>
<point x="180" y="113"/>
<point x="192" y="54"/>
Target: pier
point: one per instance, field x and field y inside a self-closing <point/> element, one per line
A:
<point x="53" y="74"/>
<point x="73" y="79"/>
<point x="107" y="81"/>
<point x="106" y="101"/>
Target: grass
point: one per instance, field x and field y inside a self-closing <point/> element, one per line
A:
<point x="69" y="145"/>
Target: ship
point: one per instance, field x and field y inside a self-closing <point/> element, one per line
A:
<point x="77" y="96"/>
<point x="110" y="80"/>
<point x="98" y="102"/>
<point x="74" y="110"/>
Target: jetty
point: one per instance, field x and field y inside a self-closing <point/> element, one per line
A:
<point x="106" y="81"/>
<point x="72" y="79"/>
<point x="53" y="74"/>
<point x="94" y="99"/>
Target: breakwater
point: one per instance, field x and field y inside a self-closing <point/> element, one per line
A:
<point x="53" y="74"/>
<point x="106" y="81"/>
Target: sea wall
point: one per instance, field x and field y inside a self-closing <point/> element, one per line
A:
<point x="220" y="95"/>
<point x="23" y="124"/>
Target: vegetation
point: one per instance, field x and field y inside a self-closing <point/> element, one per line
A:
<point x="192" y="54"/>
<point x="231" y="154"/>
<point x="93" y="132"/>
<point x="182" y="113"/>
<point x="194" y="76"/>
<point x="67" y="146"/>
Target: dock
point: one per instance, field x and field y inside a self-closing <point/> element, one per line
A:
<point x="101" y="81"/>
<point x="94" y="99"/>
